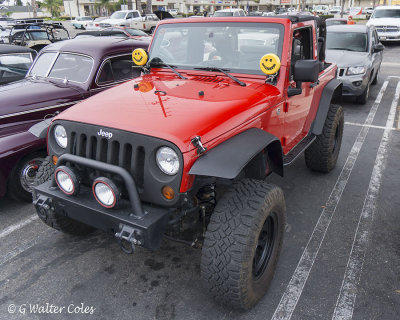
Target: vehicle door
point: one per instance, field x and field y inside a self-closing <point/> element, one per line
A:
<point x="375" y="56"/>
<point x="298" y="106"/>
<point x="129" y="20"/>
<point x="114" y="70"/>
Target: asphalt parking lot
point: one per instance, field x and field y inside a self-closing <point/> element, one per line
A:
<point x="340" y="258"/>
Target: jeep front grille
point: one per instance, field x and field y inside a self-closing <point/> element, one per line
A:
<point x="133" y="151"/>
<point x="131" y="157"/>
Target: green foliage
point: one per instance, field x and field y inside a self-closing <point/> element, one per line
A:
<point x="18" y="3"/>
<point x="53" y="6"/>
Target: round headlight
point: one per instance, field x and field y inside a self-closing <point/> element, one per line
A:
<point x="106" y="192"/>
<point x="60" y="134"/>
<point x="167" y="160"/>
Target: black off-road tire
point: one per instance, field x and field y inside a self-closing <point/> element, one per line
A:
<point x="363" y="98"/>
<point x="233" y="243"/>
<point x="323" y="153"/>
<point x="16" y="190"/>
<point x="55" y="219"/>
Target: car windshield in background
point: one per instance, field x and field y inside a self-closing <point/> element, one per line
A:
<point x="386" y="13"/>
<point x="223" y="14"/>
<point x="351" y="41"/>
<point x="23" y="60"/>
<point x="136" y="32"/>
<point x="39" y="35"/>
<point x="118" y="15"/>
<point x="237" y="46"/>
<point x="85" y="19"/>
<point x="68" y="66"/>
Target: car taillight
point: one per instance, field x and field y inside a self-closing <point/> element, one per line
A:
<point x="96" y="24"/>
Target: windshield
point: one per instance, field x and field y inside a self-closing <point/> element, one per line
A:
<point x="237" y="46"/>
<point x="39" y="35"/>
<point x="85" y="18"/>
<point x="136" y="32"/>
<point x="223" y="14"/>
<point x="350" y="41"/>
<point x="386" y="13"/>
<point x="118" y="15"/>
<point x="70" y="66"/>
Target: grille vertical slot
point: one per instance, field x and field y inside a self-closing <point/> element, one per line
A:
<point x="139" y="167"/>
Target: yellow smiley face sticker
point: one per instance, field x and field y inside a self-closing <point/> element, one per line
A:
<point x="139" y="57"/>
<point x="270" y="63"/>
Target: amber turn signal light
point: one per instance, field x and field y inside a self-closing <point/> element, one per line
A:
<point x="55" y="159"/>
<point x="168" y="192"/>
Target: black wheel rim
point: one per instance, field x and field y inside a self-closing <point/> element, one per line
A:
<point x="265" y="246"/>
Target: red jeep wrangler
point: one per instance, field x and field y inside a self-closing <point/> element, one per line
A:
<point x="183" y="151"/>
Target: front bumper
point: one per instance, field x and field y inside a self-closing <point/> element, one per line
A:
<point x="147" y="222"/>
<point x="354" y="85"/>
<point x="149" y="230"/>
<point x="389" y="36"/>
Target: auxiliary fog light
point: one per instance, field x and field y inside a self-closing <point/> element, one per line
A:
<point x="67" y="180"/>
<point x="106" y="192"/>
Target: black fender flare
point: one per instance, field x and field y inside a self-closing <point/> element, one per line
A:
<point x="333" y="87"/>
<point x="229" y="158"/>
<point x="39" y="129"/>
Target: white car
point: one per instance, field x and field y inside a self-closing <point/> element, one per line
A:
<point x="123" y="18"/>
<point x="386" y="20"/>
<point x="335" y="10"/>
<point x="173" y="12"/>
<point x="81" y="22"/>
<point x="321" y="9"/>
<point x="95" y="24"/>
<point x="229" y="13"/>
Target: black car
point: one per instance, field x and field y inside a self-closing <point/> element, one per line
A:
<point x="15" y="62"/>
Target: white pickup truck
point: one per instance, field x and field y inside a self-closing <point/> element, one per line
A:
<point x="131" y="18"/>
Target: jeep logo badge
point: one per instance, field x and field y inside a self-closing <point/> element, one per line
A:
<point x="105" y="134"/>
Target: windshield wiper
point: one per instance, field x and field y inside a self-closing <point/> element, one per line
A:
<point x="224" y="71"/>
<point x="158" y="62"/>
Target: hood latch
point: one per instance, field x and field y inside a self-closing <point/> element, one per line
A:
<point x="196" y="141"/>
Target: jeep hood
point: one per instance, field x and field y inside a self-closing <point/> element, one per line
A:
<point x="175" y="109"/>
<point x="344" y="58"/>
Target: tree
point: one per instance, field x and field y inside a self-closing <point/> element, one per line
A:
<point x="105" y="5"/>
<point x="148" y="6"/>
<point x="18" y="3"/>
<point x="139" y="5"/>
<point x="53" y="6"/>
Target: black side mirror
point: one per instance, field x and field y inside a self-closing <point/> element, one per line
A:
<point x="306" y="70"/>
<point x="378" y="47"/>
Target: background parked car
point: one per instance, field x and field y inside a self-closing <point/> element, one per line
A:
<point x="15" y="62"/>
<point x="386" y="20"/>
<point x="335" y="10"/>
<point x="95" y="24"/>
<point x="81" y="22"/>
<point x="358" y="54"/>
<point x="116" y="32"/>
<point x="229" y="13"/>
<point x="335" y="21"/>
<point x="63" y="74"/>
<point x="122" y="18"/>
<point x="37" y="35"/>
<point x="173" y="12"/>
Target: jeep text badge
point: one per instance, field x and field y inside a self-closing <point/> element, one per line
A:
<point x="270" y="64"/>
<point x="105" y="134"/>
<point x="139" y="57"/>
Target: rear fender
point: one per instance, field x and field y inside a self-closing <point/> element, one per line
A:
<point x="244" y="151"/>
